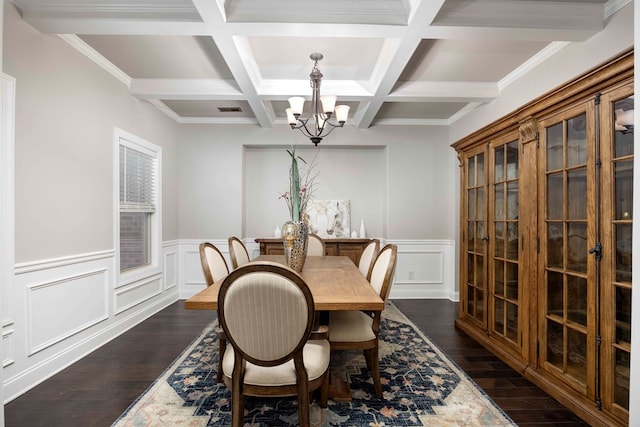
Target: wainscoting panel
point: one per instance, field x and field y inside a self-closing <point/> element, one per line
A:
<point x="136" y="293"/>
<point x="64" y="308"/>
<point x="425" y="269"/>
<point x="170" y="254"/>
<point x="49" y="317"/>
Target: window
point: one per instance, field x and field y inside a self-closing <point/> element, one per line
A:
<point x="139" y="191"/>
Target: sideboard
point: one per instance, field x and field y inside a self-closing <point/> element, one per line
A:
<point x="345" y="247"/>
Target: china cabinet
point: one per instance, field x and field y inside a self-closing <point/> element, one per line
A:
<point x="546" y="226"/>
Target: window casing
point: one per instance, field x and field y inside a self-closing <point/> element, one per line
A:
<point x="138" y="217"/>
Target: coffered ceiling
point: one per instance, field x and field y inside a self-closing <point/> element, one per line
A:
<point x="393" y="61"/>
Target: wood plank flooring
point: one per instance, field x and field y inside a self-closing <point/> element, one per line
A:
<point x="98" y="388"/>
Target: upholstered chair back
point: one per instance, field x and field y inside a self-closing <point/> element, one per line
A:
<point x="368" y="256"/>
<point x="213" y="263"/>
<point x="316" y="246"/>
<point x="267" y="315"/>
<point x="238" y="252"/>
<point x="383" y="270"/>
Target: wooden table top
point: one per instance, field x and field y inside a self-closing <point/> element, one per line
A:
<point x="335" y="283"/>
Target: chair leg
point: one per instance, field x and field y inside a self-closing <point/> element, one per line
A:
<point x="303" y="404"/>
<point x="372" y="357"/>
<point x="222" y="347"/>
<point x="237" y="406"/>
<point x="324" y="390"/>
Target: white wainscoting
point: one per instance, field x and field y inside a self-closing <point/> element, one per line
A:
<point x="429" y="262"/>
<point x="64" y="308"/>
<point x="425" y="269"/>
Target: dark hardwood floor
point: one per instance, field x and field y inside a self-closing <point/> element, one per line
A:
<point x="98" y="388"/>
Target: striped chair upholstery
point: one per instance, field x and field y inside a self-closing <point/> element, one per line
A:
<point x="266" y="311"/>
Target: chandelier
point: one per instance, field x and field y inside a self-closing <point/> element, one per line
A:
<point x="318" y="124"/>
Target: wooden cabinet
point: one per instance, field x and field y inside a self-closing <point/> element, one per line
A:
<point x="352" y="248"/>
<point x="546" y="226"/>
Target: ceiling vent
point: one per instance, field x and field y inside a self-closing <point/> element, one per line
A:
<point x="230" y="109"/>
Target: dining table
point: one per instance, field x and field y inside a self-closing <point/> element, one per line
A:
<point x="335" y="283"/>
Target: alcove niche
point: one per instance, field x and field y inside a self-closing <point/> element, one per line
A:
<point x="356" y="174"/>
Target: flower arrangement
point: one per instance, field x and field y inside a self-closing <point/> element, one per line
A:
<point x="301" y="186"/>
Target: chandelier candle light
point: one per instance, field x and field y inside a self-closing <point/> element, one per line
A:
<point x="318" y="124"/>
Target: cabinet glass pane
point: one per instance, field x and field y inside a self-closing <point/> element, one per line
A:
<point x="498" y="319"/>
<point x="512" y="240"/>
<point x="555" y="196"/>
<point x="577" y="355"/>
<point x="624" y="189"/>
<point x="480" y="234"/>
<point x="622" y="375"/>
<point x="623" y="315"/>
<point x="480" y="203"/>
<point x="577" y="194"/>
<point x="471" y="305"/>
<point x="623" y="252"/>
<point x="498" y="240"/>
<point x="498" y="173"/>
<point x="499" y="202"/>
<point x="577" y="300"/>
<point x="577" y="251"/>
<point x="555" y="245"/>
<point x="555" y="294"/>
<point x="480" y="169"/>
<point x="512" y="200"/>
<point x="512" y="321"/>
<point x="512" y="160"/>
<point x="512" y="281"/>
<point x="577" y="141"/>
<point x="471" y="235"/>
<point x="471" y="204"/>
<point x="555" y="344"/>
<point x="623" y="122"/>
<point x="480" y="305"/>
<point x="498" y="278"/>
<point x="471" y="263"/>
<point x="471" y="172"/>
<point x="479" y="271"/>
<point x="554" y="147"/>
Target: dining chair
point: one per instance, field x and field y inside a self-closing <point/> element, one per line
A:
<point x="368" y="256"/>
<point x="315" y="246"/>
<point x="349" y="330"/>
<point x="238" y="251"/>
<point x="267" y="313"/>
<point x="215" y="268"/>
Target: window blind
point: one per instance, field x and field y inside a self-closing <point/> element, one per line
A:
<point x="137" y="189"/>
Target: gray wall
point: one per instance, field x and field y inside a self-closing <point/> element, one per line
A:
<point x="400" y="183"/>
<point x="66" y="111"/>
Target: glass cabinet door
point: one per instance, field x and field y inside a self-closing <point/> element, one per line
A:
<point x="474" y="292"/>
<point x="617" y="214"/>
<point x="567" y="328"/>
<point x="503" y="246"/>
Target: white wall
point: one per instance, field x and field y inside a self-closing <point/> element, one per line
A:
<point x="63" y="299"/>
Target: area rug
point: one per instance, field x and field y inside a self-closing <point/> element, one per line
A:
<point x="422" y="387"/>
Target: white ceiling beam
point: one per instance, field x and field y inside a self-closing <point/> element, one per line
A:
<point x="194" y="89"/>
<point x="394" y="57"/>
<point x="238" y="57"/>
<point x="281" y="89"/>
<point x="425" y="91"/>
<point x="88" y="25"/>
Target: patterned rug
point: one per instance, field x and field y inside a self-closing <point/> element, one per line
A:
<point x="422" y="387"/>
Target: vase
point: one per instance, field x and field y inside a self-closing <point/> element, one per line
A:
<point x="295" y="236"/>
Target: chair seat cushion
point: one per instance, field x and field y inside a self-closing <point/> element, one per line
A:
<point x="350" y="326"/>
<point x="316" y="361"/>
